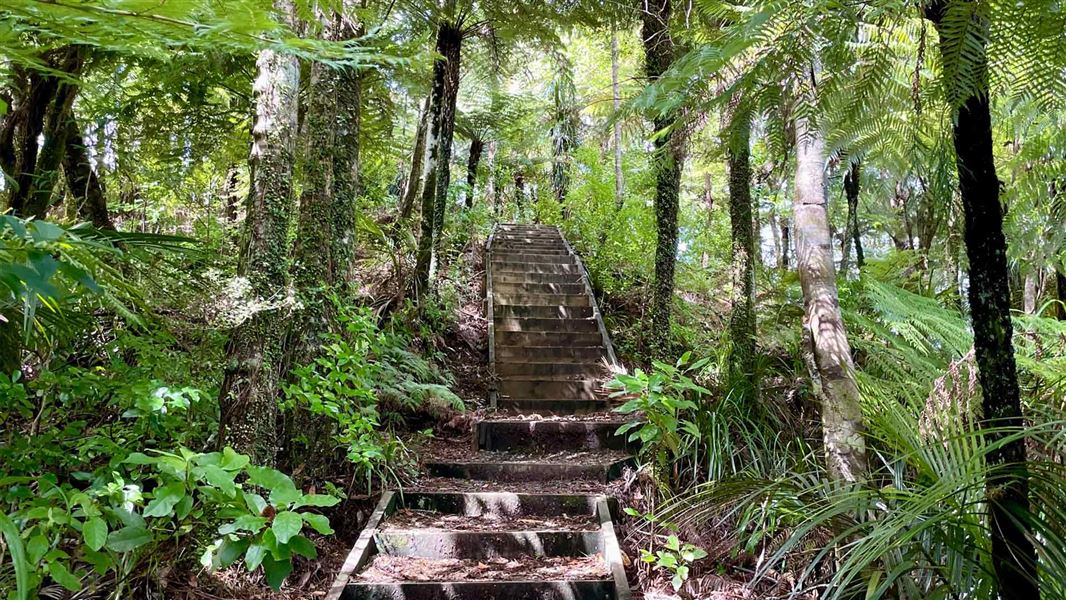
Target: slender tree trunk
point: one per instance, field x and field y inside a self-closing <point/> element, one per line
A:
<point x="666" y="163"/>
<point x="439" y="152"/>
<point x="490" y="179"/>
<point x="851" y="227"/>
<point x="233" y="199"/>
<point x="742" y="318"/>
<point x="477" y="148"/>
<point x="85" y="187"/>
<point x="564" y="131"/>
<point x="1029" y="293"/>
<point x="248" y="397"/>
<point x="842" y="427"/>
<point x="786" y="243"/>
<point x="775" y="233"/>
<point x="416" y="179"/>
<point x="708" y="207"/>
<point x="1060" y="290"/>
<point x="520" y="194"/>
<point x="1014" y="559"/>
<point x="616" y="99"/>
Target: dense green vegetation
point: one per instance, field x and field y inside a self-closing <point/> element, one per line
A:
<point x="241" y="246"/>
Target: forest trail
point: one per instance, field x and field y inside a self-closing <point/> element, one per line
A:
<point x="520" y="511"/>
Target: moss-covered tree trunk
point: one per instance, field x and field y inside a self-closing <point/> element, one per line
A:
<point x="1060" y="289"/>
<point x="842" y="428"/>
<point x="86" y="189"/>
<point x="473" y="160"/>
<point x="1014" y="558"/>
<point x="438" y="152"/>
<point x="851" y="227"/>
<point x="616" y="137"/>
<point x="248" y="397"/>
<point x="667" y="161"/>
<point x="416" y="177"/>
<point x="742" y="269"/>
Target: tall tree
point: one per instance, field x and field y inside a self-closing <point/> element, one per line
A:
<point x="85" y="187"/>
<point x="247" y="399"/>
<point x="443" y="97"/>
<point x="564" y="126"/>
<point x="659" y="54"/>
<point x="616" y="138"/>
<point x="827" y="340"/>
<point x="851" y="227"/>
<point x="742" y="318"/>
<point x="416" y="178"/>
<point x="1014" y="558"/>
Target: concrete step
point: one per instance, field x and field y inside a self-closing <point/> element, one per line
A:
<point x="589" y="370"/>
<point x="484" y="545"/>
<point x="549" y="354"/>
<point x="511" y="277"/>
<point x="521" y="299"/>
<point x="585" y="389"/>
<point x="552" y="406"/>
<point x="533" y="470"/>
<point x="548" y="338"/>
<point x="538" y="288"/>
<point x="535" y="324"/>
<point x="500" y="504"/>
<point x="542" y="312"/>
<point x="524" y="257"/>
<point x="526" y="268"/>
<point x="542" y="436"/>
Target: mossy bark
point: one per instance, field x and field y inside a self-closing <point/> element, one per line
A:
<point x="439" y="153"/>
<point x="248" y="396"/>
<point x="851" y="227"/>
<point x="842" y="427"/>
<point x="86" y="189"/>
<point x="742" y="365"/>
<point x="667" y="161"/>
<point x="1014" y="559"/>
<point x="416" y="177"/>
<point x="473" y="161"/>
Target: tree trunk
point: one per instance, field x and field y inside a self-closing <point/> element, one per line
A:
<point x="439" y="152"/>
<point x="519" y="194"/>
<point x="742" y="318"/>
<point x="416" y="179"/>
<point x="842" y="428"/>
<point x="477" y="147"/>
<point x="248" y="397"/>
<point x="85" y="187"/>
<point x="666" y="164"/>
<point x="42" y="111"/>
<point x="708" y="207"/>
<point x="490" y="179"/>
<point x="233" y="199"/>
<point x="1014" y="558"/>
<point x="1029" y="293"/>
<point x="786" y="243"/>
<point x="1060" y="289"/>
<point x="851" y="228"/>
<point x="616" y="99"/>
<point x="564" y="130"/>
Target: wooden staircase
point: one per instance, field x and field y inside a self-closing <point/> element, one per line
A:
<point x="525" y="514"/>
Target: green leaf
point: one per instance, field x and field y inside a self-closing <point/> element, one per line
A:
<point x="318" y="522"/>
<point x="23" y="569"/>
<point x="221" y="479"/>
<point x="128" y="538"/>
<point x="230" y="551"/>
<point x="317" y="500"/>
<point x="255" y="502"/>
<point x="276" y="571"/>
<point x="286" y="525"/>
<point x="282" y="490"/>
<point x="63" y="576"/>
<point x="94" y="531"/>
<point x="252" y="523"/>
<point x="303" y="546"/>
<point x="165" y="499"/>
<point x="254" y="556"/>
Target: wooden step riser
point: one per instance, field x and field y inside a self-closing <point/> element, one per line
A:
<point x="500" y="504"/>
<point x="482" y="590"/>
<point x="526" y="471"/>
<point x="567" y="325"/>
<point x="528" y="269"/>
<point x="571" y="289"/>
<point x="486" y="545"/>
<point x="547" y="436"/>
<point x="548" y="338"/>
<point x="520" y="249"/>
<point x="591" y="370"/>
<point x="577" y="390"/>
<point x="543" y="312"/>
<point x="552" y="407"/>
<point x="544" y="354"/>
<point x="531" y="259"/>
<point x="536" y="278"/>
<point x="541" y="299"/>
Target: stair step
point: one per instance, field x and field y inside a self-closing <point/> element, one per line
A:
<point x="586" y="389"/>
<point x="551" y="406"/>
<point x="586" y="370"/>
<point x="511" y="249"/>
<point x="522" y="299"/>
<point x="500" y="504"/>
<point x="548" y="338"/>
<point x="549" y="354"/>
<point x="543" y="312"/>
<point x="510" y="277"/>
<point x="538" y="288"/>
<point x="482" y="590"/>
<point x="540" y="324"/>
<point x="485" y="545"/>
<point x="526" y="268"/>
<point x="536" y="435"/>
<point x="529" y="470"/>
<point x="523" y="257"/>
